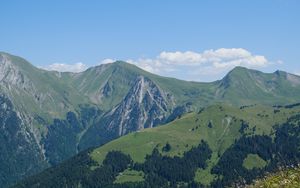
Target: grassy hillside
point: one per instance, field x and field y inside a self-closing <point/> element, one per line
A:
<point x="38" y="92"/>
<point x="187" y="131"/>
<point x="244" y="86"/>
<point x="234" y="145"/>
<point x="289" y="177"/>
<point x="218" y="125"/>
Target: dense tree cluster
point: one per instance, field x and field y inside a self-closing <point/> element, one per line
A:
<point x="68" y="173"/>
<point x="178" y="112"/>
<point x="114" y="163"/>
<point x="247" y="106"/>
<point x="230" y="165"/>
<point x="283" y="151"/>
<point x="287" y="106"/>
<point x="19" y="154"/>
<point x="61" y="142"/>
<point x="167" y="147"/>
<point x="244" y="127"/>
<point x="209" y="125"/>
<point x="292" y="105"/>
<point x="162" y="170"/>
<point x="77" y="172"/>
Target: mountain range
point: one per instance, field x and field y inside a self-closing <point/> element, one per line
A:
<point x="47" y="117"/>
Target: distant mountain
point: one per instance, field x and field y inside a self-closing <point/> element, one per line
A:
<point x="49" y="116"/>
<point x="217" y="146"/>
<point x="242" y="85"/>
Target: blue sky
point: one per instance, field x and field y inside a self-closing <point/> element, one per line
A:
<point x="71" y="31"/>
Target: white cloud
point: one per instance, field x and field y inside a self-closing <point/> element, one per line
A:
<point x="201" y="66"/>
<point x="180" y="57"/>
<point x="297" y="73"/>
<point x="61" y="67"/>
<point x="76" y="67"/>
<point x="106" y="61"/>
<point x="208" y="65"/>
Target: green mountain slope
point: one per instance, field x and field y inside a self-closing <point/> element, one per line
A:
<point x="249" y="86"/>
<point x="33" y="90"/>
<point x="217" y="146"/>
<point x="62" y="114"/>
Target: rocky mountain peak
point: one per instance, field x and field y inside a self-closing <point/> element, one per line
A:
<point x="10" y="74"/>
<point x="145" y="105"/>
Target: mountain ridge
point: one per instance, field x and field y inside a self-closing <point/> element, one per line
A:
<point x="65" y="113"/>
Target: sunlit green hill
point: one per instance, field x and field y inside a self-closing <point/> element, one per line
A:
<point x="232" y="146"/>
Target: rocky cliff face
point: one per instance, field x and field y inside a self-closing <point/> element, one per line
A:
<point x="22" y="151"/>
<point x="10" y="74"/>
<point x="145" y="105"/>
<point x="20" y="154"/>
<point x="14" y="81"/>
